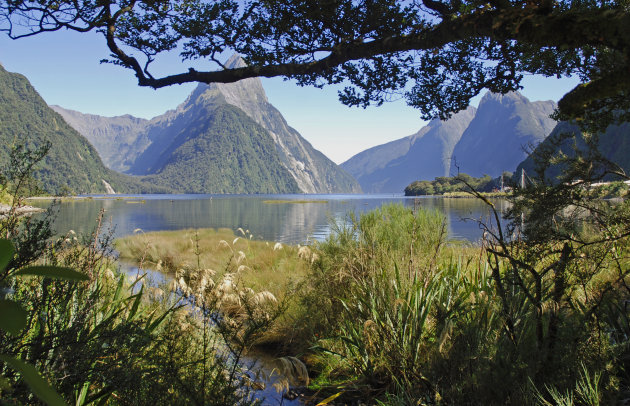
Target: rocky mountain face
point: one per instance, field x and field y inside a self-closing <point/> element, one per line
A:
<point x="113" y="137"/>
<point x="488" y="140"/>
<point x="72" y="164"/>
<point x="312" y="170"/>
<point x="145" y="144"/>
<point x="390" y="167"/>
<point x="505" y="128"/>
<point x="566" y="139"/>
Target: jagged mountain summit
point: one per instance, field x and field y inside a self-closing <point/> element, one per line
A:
<point x="72" y="165"/>
<point x="218" y="149"/>
<point x="391" y="167"/>
<point x="151" y="147"/>
<point x="312" y="170"/>
<point x="505" y="128"/>
<point x="488" y="140"/>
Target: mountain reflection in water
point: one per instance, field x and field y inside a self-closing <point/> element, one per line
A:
<point x="293" y="219"/>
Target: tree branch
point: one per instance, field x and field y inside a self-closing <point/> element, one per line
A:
<point x="610" y="28"/>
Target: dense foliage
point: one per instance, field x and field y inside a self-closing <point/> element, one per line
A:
<point x="109" y="337"/>
<point x="403" y="316"/>
<point x="437" y="53"/>
<point x="398" y="314"/>
<point x="460" y="183"/>
<point x="388" y="310"/>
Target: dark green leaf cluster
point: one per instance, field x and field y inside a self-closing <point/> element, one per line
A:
<point x="436" y="54"/>
<point x="402" y="315"/>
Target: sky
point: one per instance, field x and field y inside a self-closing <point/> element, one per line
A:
<point x="65" y="68"/>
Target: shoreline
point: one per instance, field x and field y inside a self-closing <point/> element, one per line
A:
<point x="5" y="209"/>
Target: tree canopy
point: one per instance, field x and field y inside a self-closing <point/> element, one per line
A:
<point x="436" y="54"/>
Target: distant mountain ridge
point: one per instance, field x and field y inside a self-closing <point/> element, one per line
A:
<point x="220" y="150"/>
<point x="613" y="144"/>
<point x="487" y="140"/>
<point x="72" y="164"/>
<point x="503" y="130"/>
<point x="146" y="148"/>
<point x="391" y="167"/>
<point x="113" y="137"/>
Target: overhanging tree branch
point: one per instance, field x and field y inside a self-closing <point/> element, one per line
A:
<point x="366" y="43"/>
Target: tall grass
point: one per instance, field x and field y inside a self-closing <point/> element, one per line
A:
<point x="115" y="339"/>
<point x="398" y="313"/>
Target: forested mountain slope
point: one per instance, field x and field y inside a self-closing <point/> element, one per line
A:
<point x="72" y="164"/>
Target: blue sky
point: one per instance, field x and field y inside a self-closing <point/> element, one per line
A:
<point x="64" y="68"/>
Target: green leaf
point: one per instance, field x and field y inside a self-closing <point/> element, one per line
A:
<point x="136" y="304"/>
<point x="38" y="385"/>
<point x="56" y="272"/>
<point x="329" y="399"/>
<point x="7" y="250"/>
<point x="12" y="317"/>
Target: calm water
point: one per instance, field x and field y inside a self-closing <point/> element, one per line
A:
<point x="283" y="222"/>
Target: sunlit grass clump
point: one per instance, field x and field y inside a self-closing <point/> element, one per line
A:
<point x="259" y="264"/>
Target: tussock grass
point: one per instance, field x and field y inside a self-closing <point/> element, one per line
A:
<point x="260" y="264"/>
<point x="234" y="259"/>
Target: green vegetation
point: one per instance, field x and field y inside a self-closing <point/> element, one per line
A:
<point x="221" y="150"/>
<point x="402" y="316"/>
<point x="388" y="310"/>
<point x="614" y="190"/>
<point x="98" y="336"/>
<point x="70" y="165"/>
<point x="466" y="195"/>
<point x="263" y="265"/>
<point x="443" y="185"/>
<point x="438" y="54"/>
<point x="385" y="310"/>
<point x="248" y="263"/>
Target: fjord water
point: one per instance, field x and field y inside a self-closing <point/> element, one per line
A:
<point x="292" y="219"/>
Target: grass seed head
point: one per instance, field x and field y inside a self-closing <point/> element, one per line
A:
<point x="241" y="256"/>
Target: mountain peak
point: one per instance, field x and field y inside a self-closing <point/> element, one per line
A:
<point x="235" y="61"/>
<point x="507" y="98"/>
<point x="245" y="92"/>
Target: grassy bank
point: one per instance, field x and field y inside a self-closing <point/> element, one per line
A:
<point x="467" y="195"/>
<point x="258" y="264"/>
<point x="388" y="310"/>
<point x="385" y="311"/>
